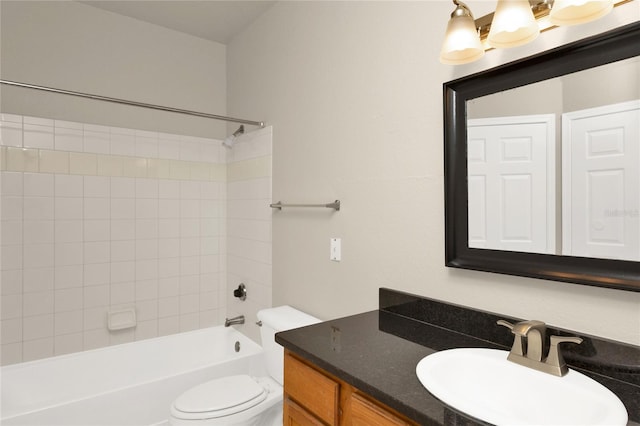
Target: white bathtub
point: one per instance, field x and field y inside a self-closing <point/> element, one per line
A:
<point x="129" y="384"/>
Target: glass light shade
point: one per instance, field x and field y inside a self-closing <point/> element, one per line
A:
<point x="513" y="24"/>
<point x="461" y="42"/>
<point x="573" y="12"/>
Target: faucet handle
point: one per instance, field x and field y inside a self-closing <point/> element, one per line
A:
<point x="517" y="348"/>
<point x="555" y="360"/>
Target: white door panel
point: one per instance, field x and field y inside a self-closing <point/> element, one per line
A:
<point x="601" y="184"/>
<point x="511" y="181"/>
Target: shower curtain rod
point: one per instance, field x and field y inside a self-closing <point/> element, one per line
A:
<point x="133" y="103"/>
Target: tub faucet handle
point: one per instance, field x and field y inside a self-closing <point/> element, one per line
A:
<point x="241" y="292"/>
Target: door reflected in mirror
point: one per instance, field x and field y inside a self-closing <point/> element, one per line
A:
<point x="552" y="167"/>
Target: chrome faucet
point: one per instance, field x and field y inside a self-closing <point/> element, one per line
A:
<point x="529" y="347"/>
<point x="235" y="320"/>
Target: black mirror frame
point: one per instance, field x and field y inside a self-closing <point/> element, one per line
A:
<point x="618" y="44"/>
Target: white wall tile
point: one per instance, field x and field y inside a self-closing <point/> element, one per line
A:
<point x="168" y="228"/>
<point x="146" y="188"/>
<point x="190" y="190"/>
<point x="168" y="189"/>
<point x="95" y="318"/>
<point x="38" y="255"/>
<point x="146" y="144"/>
<point x="168" y="247"/>
<point x="95" y="296"/>
<point x="97" y="273"/>
<point x="123" y="208"/>
<point x="96" y="208"/>
<point x="38" y="185"/>
<point x="168" y="306"/>
<point x="12" y="183"/>
<point x="11" y="306"/>
<point x="190" y="149"/>
<point x="69" y="186"/>
<point x="68" y="231"/>
<point x="146" y="208"/>
<point x="37" y="327"/>
<point x="11" y="257"/>
<point x="11" y="281"/>
<point x="96" y="230"/>
<point x="68" y="343"/>
<point x="123" y="187"/>
<point x="68" y="254"/>
<point x="146" y="249"/>
<point x="97" y="186"/>
<point x="68" y="322"/>
<point x="146" y="269"/>
<point x="69" y="276"/>
<point x="147" y="309"/>
<point x="169" y="287"/>
<point x="11" y="232"/>
<point x="11" y="330"/>
<point x="68" y="299"/>
<point x="10" y="133"/>
<point x="123" y="229"/>
<point x="37" y="232"/>
<point x="37" y="349"/>
<point x="168" y="209"/>
<point x="169" y="267"/>
<point x="168" y="146"/>
<point x="146" y="329"/>
<point x="12" y="208"/>
<point x="190" y="246"/>
<point x="146" y="228"/>
<point x="38" y="208"/>
<point x="96" y="141"/>
<point x="123" y="272"/>
<point x="123" y="250"/>
<point x="147" y="290"/>
<point x="68" y="139"/>
<point x="94" y="339"/>
<point x="123" y="292"/>
<point x="36" y="136"/>
<point x="123" y="142"/>
<point x="39" y="303"/>
<point x="169" y="325"/>
<point x="189" y="284"/>
<point x="68" y="208"/>
<point x="97" y="252"/>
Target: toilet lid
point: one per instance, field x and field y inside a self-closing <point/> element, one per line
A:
<point x="221" y="397"/>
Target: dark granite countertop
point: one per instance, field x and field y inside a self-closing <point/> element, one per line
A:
<point x="377" y="352"/>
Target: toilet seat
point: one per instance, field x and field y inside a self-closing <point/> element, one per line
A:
<point x="218" y="398"/>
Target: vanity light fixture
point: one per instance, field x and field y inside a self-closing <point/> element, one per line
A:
<point x="461" y="42"/>
<point x="514" y="23"/>
<point x="573" y="12"/>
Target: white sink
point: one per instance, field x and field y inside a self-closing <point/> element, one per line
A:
<point x="483" y="384"/>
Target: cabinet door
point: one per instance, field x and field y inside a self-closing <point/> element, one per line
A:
<point x="311" y="389"/>
<point x="295" y="415"/>
<point x="367" y="413"/>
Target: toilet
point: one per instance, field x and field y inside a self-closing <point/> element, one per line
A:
<point x="243" y="400"/>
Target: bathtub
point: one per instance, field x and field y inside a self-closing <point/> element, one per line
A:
<point x="128" y="384"/>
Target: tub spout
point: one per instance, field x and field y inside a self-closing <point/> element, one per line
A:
<point x="234" y="320"/>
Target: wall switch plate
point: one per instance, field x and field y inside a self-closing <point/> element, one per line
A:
<point x="335" y="249"/>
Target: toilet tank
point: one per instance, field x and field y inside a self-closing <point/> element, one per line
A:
<point x="274" y="320"/>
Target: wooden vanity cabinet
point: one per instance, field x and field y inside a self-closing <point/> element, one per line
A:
<point x="314" y="397"/>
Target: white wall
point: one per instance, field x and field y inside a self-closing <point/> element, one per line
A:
<point x="73" y="46"/>
<point x="354" y="93"/>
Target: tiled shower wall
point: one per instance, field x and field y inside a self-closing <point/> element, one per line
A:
<point x="249" y="226"/>
<point x="98" y="219"/>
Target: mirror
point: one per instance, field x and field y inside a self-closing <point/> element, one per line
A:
<point x="538" y="182"/>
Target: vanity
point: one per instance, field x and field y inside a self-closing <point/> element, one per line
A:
<point x="361" y="369"/>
